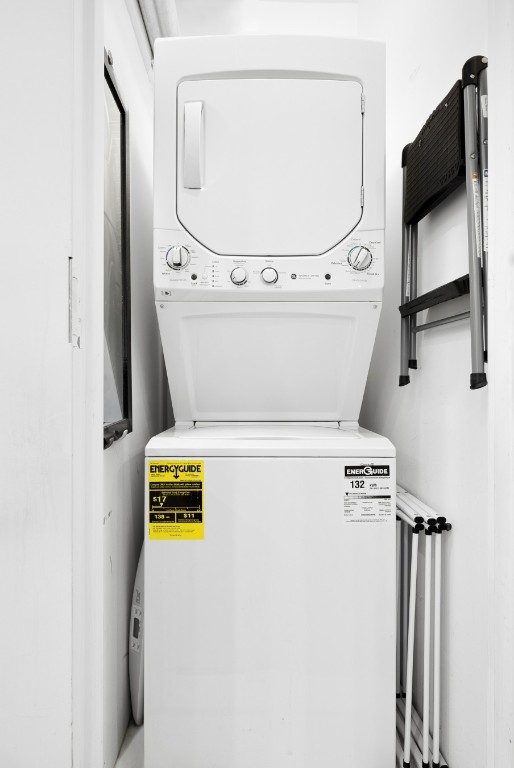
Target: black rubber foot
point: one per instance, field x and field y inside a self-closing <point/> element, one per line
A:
<point x="477" y="380"/>
<point x="425" y="765"/>
<point x="398" y="695"/>
<point x="404" y="380"/>
<point x="413" y="364"/>
<point x="406" y="765"/>
<point x="435" y="765"/>
<point x="485" y="356"/>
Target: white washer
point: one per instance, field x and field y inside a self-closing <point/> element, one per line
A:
<point x="271" y="641"/>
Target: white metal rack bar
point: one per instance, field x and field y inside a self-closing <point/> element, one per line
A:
<point x="398" y="607"/>
<point x="426" y="647"/>
<point x="406" y="553"/>
<point x="436" y="755"/>
<point x="407" y="746"/>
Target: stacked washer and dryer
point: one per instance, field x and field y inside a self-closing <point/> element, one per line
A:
<point x="270" y="518"/>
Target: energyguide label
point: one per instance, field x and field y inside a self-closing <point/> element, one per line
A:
<point x="367" y="493"/>
<point x="175" y="499"/>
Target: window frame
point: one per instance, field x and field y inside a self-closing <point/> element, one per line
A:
<point x="115" y="430"/>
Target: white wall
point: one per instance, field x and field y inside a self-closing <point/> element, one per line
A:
<point x="124" y="460"/>
<point x="439" y="426"/>
<point x="217" y="17"/>
<point x="35" y="385"/>
<point x="501" y="421"/>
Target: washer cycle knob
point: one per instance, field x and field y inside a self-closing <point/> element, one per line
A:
<point x="269" y="275"/>
<point x="239" y="276"/>
<point x="360" y="258"/>
<point x="178" y="257"/>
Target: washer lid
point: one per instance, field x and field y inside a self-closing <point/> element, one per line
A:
<point x="280" y="440"/>
<point x="269" y="166"/>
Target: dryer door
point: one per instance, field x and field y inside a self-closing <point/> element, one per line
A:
<point x="269" y="166"/>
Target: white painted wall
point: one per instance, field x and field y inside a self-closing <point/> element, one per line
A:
<point x="123" y="461"/>
<point x="35" y="385"/>
<point x="501" y="417"/>
<point x="439" y="427"/>
<point x="218" y="17"/>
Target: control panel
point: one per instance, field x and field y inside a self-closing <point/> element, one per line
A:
<point x="183" y="269"/>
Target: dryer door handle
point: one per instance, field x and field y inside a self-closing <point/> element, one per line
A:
<point x="193" y="145"/>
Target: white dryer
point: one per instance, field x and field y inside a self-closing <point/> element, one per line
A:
<point x="270" y="525"/>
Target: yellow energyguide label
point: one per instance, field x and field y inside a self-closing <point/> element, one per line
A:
<point x="175" y="499"/>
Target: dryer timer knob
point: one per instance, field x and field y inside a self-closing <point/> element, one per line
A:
<point x="238" y="276"/>
<point x="178" y="257"/>
<point x="360" y="258"/>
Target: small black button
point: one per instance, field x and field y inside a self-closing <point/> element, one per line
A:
<point x="193" y="277"/>
<point x="327" y="276"/>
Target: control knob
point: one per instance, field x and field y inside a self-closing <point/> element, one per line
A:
<point x="360" y="258"/>
<point x="269" y="275"/>
<point x="178" y="257"/>
<point x="238" y="276"/>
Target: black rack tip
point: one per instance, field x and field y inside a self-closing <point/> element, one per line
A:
<point x="477" y="380"/>
<point x="398" y="695"/>
<point x="406" y="765"/>
<point x="425" y="765"/>
<point x="419" y="519"/>
<point x="413" y="364"/>
<point x="472" y="69"/>
<point x="403" y="381"/>
<point x="435" y="765"/>
<point x="441" y="519"/>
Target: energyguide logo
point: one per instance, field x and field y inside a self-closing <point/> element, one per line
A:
<point x="367" y="470"/>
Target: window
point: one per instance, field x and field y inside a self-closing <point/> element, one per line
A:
<point x="117" y="363"/>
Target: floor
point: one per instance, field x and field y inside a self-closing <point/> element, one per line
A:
<point x="131" y="752"/>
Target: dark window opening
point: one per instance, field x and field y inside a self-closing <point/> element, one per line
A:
<point x="117" y="358"/>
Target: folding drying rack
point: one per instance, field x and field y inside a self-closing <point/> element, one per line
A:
<point x="418" y="745"/>
<point x="452" y="147"/>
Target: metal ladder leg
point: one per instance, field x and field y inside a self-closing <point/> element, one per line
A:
<point x="413" y="291"/>
<point x="483" y="141"/>
<point x="474" y="210"/>
<point x="406" y="271"/>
